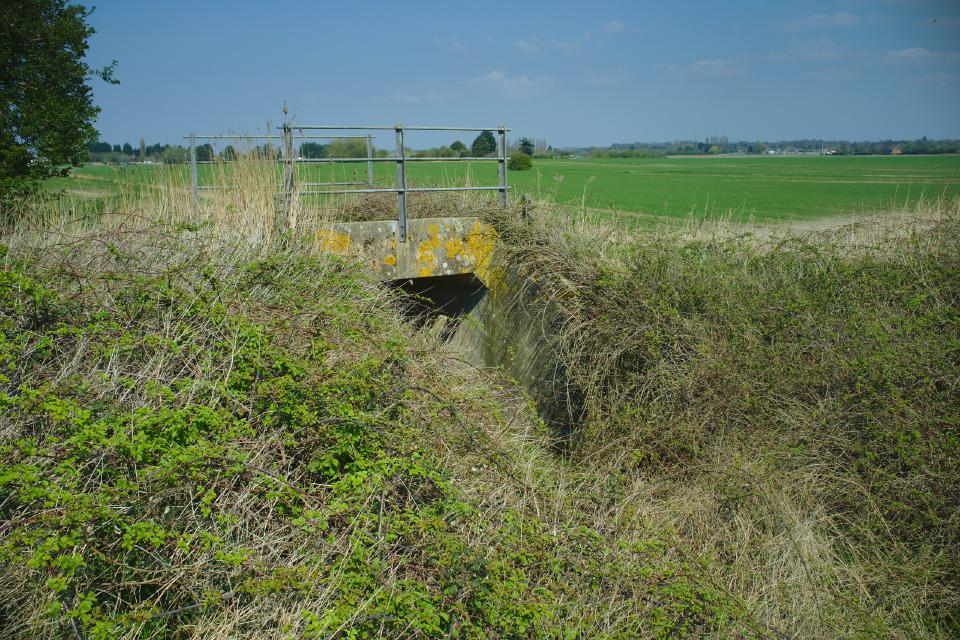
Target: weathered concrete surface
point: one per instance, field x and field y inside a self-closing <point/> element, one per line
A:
<point x="434" y="246"/>
<point x="505" y="326"/>
<point x="511" y="329"/>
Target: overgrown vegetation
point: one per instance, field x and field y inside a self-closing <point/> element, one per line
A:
<point x="212" y="432"/>
<point x="205" y="436"/>
<point x="790" y="405"/>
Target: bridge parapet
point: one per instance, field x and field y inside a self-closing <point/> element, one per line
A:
<point x="434" y="247"/>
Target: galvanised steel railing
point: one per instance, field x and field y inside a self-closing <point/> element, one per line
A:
<point x="400" y="158"/>
<point x="290" y="159"/>
<point x="194" y="178"/>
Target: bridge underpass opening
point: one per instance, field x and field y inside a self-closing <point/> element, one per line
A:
<point x="495" y="329"/>
<point x="440" y="303"/>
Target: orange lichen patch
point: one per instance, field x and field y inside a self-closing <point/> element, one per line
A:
<point x="390" y="259"/>
<point x="330" y="241"/>
<point x="424" y="272"/>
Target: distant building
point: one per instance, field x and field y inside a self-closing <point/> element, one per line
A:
<point x="896" y="151"/>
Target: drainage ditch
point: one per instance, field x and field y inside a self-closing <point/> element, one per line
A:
<point x="496" y="329"/>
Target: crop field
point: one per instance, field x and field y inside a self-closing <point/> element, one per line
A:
<point x="747" y="188"/>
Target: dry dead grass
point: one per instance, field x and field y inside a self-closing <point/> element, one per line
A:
<point x="715" y="367"/>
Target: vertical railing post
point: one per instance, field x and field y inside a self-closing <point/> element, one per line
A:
<point x="401" y="187"/>
<point x="369" y="160"/>
<point x="193" y="171"/>
<point x="287" y="215"/>
<point x="502" y="184"/>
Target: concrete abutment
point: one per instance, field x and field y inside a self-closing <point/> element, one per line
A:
<point x="489" y="312"/>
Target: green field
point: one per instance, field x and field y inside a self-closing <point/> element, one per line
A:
<point x="760" y="188"/>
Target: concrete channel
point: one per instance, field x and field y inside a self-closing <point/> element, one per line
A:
<point x="482" y="309"/>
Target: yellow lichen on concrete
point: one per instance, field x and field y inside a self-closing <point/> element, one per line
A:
<point x="480" y="244"/>
<point x="330" y="241"/>
<point x="435" y="248"/>
<point x="454" y="247"/>
<point x="426" y="251"/>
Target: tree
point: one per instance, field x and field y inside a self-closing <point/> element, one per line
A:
<point x="143" y="150"/>
<point x="174" y="155"/>
<point x="519" y="161"/>
<point x="46" y="105"/>
<point x="526" y="146"/>
<point x="127" y="148"/>
<point x="229" y="153"/>
<point x="117" y="148"/>
<point x="204" y="152"/>
<point x="313" y="150"/>
<point x="460" y="149"/>
<point x="484" y="145"/>
<point x="347" y="149"/>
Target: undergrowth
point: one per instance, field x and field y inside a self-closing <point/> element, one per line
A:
<point x="211" y="438"/>
<point x="789" y="404"/>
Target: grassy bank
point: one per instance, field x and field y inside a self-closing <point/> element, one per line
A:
<point x="207" y="436"/>
<point x="788" y="404"/>
<point x="211" y="431"/>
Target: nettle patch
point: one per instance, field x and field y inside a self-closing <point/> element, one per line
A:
<point x="189" y="445"/>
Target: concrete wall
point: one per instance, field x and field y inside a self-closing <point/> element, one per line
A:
<point x="434" y="246"/>
<point x="501" y="329"/>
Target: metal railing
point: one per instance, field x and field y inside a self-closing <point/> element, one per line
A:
<point x="289" y="160"/>
<point x="194" y="178"/>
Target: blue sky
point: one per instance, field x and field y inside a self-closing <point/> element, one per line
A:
<point x="575" y="73"/>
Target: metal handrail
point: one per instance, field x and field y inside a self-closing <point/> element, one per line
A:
<point x="401" y="160"/>
<point x="406" y="159"/>
<point x="269" y="137"/>
<point x="288" y="159"/>
<point x="391" y="127"/>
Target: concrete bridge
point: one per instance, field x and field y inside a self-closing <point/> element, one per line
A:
<point x="485" y="310"/>
<point x="434" y="247"/>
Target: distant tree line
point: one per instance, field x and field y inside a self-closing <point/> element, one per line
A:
<point x="170" y="154"/>
<point x="120" y="153"/>
<point x="715" y="145"/>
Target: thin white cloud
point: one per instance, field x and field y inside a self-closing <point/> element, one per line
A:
<point x="403" y="97"/>
<point x="527" y="47"/>
<point x="452" y="44"/>
<point x="716" y="67"/>
<point x="563" y="45"/>
<point x="518" y="86"/>
<point x="942" y="78"/>
<point x="820" y="49"/>
<point x="833" y="75"/>
<point x="614" y="26"/>
<point x="607" y="78"/>
<point x="823" y="21"/>
<point x="531" y="46"/>
<point x="912" y="55"/>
